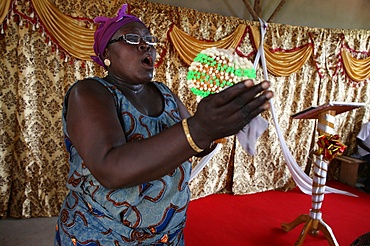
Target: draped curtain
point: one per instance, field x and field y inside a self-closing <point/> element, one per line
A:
<point x="46" y="45"/>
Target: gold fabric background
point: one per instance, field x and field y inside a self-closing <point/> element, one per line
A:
<point x="35" y="74"/>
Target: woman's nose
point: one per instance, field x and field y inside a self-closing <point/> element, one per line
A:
<point x="144" y="46"/>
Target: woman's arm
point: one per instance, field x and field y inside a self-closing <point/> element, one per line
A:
<point x="184" y="113"/>
<point x="98" y="137"/>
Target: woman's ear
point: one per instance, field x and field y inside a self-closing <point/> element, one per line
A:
<point x="105" y="54"/>
<point x="105" y="58"/>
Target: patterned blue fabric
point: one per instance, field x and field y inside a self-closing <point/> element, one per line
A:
<point x="148" y="214"/>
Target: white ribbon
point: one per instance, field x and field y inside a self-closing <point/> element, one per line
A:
<point x="303" y="181"/>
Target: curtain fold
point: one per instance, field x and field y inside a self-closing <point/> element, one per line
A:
<point x="188" y="47"/>
<point x="283" y="62"/>
<point x="72" y="35"/>
<point x="357" y="69"/>
<point x="4" y="8"/>
<point x="305" y="67"/>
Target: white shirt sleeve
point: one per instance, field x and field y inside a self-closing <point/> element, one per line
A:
<point x="364" y="135"/>
<point x="364" y="132"/>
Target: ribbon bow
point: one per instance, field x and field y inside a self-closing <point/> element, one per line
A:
<point x="330" y="146"/>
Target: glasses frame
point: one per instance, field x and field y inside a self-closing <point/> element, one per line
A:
<point x="124" y="37"/>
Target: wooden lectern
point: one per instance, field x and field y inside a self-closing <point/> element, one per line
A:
<point x="313" y="221"/>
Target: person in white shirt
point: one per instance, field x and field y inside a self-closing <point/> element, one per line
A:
<point x="363" y="145"/>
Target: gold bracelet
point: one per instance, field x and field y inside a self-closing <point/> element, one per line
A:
<point x="191" y="142"/>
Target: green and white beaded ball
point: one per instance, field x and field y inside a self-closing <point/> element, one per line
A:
<point x="214" y="69"/>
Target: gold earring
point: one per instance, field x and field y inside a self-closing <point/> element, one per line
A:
<point x="107" y="62"/>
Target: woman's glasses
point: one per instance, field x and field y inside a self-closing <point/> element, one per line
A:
<point x="135" y="39"/>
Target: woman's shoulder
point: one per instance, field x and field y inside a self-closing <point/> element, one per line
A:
<point x="92" y="86"/>
<point x="91" y="82"/>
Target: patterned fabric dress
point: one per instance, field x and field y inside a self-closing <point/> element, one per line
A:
<point x="152" y="213"/>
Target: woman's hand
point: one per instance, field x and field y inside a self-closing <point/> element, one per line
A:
<point x="225" y="113"/>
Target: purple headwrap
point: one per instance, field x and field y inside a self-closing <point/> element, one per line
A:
<point x="107" y="28"/>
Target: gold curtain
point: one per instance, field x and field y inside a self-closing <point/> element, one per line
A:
<point x="4" y="8"/>
<point x="188" y="47"/>
<point x="283" y="63"/>
<point x="34" y="79"/>
<point x="72" y="35"/>
<point x="357" y="69"/>
<point x="279" y="63"/>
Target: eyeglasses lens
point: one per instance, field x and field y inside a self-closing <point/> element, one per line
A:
<point x="135" y="39"/>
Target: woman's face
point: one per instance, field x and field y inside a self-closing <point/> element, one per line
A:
<point x="131" y="63"/>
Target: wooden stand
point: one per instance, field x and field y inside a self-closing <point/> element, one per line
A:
<point x="349" y="169"/>
<point x="313" y="221"/>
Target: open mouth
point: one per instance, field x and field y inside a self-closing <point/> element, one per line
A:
<point x="148" y="61"/>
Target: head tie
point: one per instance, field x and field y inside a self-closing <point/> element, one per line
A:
<point x="107" y="28"/>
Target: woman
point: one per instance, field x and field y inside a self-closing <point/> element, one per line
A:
<point x="130" y="141"/>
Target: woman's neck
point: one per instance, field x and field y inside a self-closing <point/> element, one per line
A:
<point x="136" y="89"/>
<point x="124" y="86"/>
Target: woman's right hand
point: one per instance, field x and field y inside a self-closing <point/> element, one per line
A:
<point x="226" y="113"/>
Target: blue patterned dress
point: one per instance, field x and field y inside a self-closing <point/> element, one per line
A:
<point x="152" y="213"/>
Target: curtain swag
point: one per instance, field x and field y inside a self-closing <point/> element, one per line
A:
<point x="357" y="69"/>
<point x="283" y="62"/>
<point x="188" y="47"/>
<point x="67" y="32"/>
<point x="4" y="8"/>
<point x="77" y="40"/>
